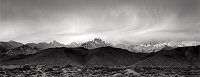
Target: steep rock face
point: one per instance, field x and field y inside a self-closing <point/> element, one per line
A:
<point x="96" y="43"/>
<point x="25" y="49"/>
<point x="57" y="44"/>
<point x="74" y="44"/>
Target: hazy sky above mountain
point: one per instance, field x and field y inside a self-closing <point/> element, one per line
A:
<point x="113" y="20"/>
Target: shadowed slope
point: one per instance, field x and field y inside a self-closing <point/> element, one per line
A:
<point x="77" y="56"/>
<point x="53" y="56"/>
<point x="3" y="50"/>
<point x="111" y="56"/>
<point x="180" y="56"/>
<point x="193" y="54"/>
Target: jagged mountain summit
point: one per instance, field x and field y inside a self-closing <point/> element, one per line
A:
<point x="144" y="48"/>
<point x="74" y="44"/>
<point x="96" y="43"/>
<point x="57" y="44"/>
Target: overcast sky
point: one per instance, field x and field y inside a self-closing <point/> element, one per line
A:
<point x="120" y="21"/>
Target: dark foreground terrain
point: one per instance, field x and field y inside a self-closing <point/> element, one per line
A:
<point x="102" y="62"/>
<point x="96" y="71"/>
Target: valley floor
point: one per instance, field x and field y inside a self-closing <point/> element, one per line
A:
<point x="96" y="71"/>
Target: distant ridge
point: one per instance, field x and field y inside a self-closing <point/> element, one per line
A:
<point x="24" y="49"/>
<point x="96" y="43"/>
<point x="13" y="48"/>
<point x="150" y="47"/>
<point x="44" y="45"/>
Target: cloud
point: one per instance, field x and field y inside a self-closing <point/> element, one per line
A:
<point x="118" y="21"/>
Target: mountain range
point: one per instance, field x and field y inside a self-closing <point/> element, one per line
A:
<point x="98" y="52"/>
<point x="108" y="56"/>
<point x="15" y="48"/>
<point x="149" y="47"/>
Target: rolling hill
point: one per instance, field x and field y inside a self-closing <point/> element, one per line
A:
<point x="111" y="56"/>
<point x="180" y="56"/>
<point x="77" y="56"/>
<point x="108" y="56"/>
<point x="52" y="56"/>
